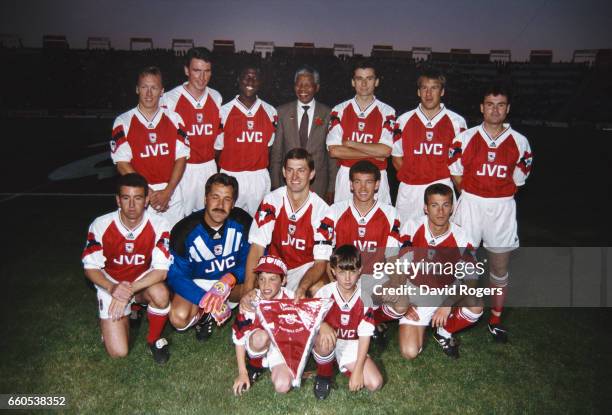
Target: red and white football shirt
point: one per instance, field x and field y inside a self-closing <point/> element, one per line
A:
<point x="451" y="247"/>
<point x="201" y="118"/>
<point x="371" y="233"/>
<point x="245" y="135"/>
<point x="298" y="237"/>
<point x="127" y="254"/>
<point x="151" y="147"/>
<point x="349" y="317"/>
<point x="373" y="125"/>
<point x="491" y="168"/>
<point x="423" y="143"/>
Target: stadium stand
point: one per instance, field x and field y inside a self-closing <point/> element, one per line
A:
<point x="102" y="80"/>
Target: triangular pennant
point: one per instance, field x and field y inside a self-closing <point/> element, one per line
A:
<point x="292" y="328"/>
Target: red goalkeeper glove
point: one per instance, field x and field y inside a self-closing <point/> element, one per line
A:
<point x="213" y="300"/>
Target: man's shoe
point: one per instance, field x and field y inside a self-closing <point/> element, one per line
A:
<point x="160" y="351"/>
<point x="254" y="372"/>
<point x="380" y="336"/>
<point x="204" y="328"/>
<point x="322" y="387"/>
<point x="499" y="333"/>
<point x="450" y="346"/>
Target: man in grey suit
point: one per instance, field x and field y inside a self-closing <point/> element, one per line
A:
<point x="303" y="123"/>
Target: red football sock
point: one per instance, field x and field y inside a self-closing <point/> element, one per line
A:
<point x="256" y="362"/>
<point x="135" y="307"/>
<point x="459" y="319"/>
<point x="325" y="370"/>
<point x="157" y="320"/>
<point x="498" y="300"/>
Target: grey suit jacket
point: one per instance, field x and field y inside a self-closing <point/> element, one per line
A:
<point x="287" y="137"/>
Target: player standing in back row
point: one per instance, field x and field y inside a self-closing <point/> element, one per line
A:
<point x="488" y="164"/>
<point x="198" y="105"/>
<point x="361" y="128"/>
<point x="421" y="142"/>
<point x="248" y="126"/>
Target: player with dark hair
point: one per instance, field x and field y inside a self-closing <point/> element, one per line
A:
<point x="209" y="248"/>
<point x="198" y="105"/>
<point x="361" y="128"/>
<point x="435" y="239"/>
<point x="127" y="258"/>
<point x="289" y="222"/>
<point x="344" y="335"/>
<point x="247" y="131"/>
<point x="421" y="143"/>
<point x="488" y="165"/>
<point x="150" y="140"/>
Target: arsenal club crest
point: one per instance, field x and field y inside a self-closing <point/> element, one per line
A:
<point x="491" y="156"/>
<point x="129" y="247"/>
<point x="291" y="229"/>
<point x="429" y="135"/>
<point x="250" y="124"/>
<point x="152" y="137"/>
<point x="218" y="249"/>
<point x="361" y="125"/>
<point x="199" y="117"/>
<point x="344" y="319"/>
<point x="362" y="231"/>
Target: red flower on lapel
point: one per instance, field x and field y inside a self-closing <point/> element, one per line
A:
<point x="318" y="121"/>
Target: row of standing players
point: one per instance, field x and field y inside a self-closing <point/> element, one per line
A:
<point x="487" y="164"/>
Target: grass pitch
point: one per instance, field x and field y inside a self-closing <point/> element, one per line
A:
<point x="557" y="361"/>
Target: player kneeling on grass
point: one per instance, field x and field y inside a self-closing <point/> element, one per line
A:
<point x="345" y="333"/>
<point x="434" y="240"/>
<point x="127" y="259"/>
<point x="250" y="337"/>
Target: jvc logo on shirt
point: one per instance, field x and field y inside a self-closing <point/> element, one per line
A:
<point x="155" y="150"/>
<point x="221" y="264"/>
<point x="295" y="242"/>
<point x="203" y="129"/>
<point x="346" y="333"/>
<point x="493" y="170"/>
<point x="362" y="137"/>
<point x="365" y="246"/>
<point x="426" y="148"/>
<point x="250" y="137"/>
<point x="137" y="259"/>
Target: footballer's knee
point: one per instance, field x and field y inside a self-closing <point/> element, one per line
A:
<point x="159" y="295"/>
<point x="117" y="352"/>
<point x="282" y="384"/>
<point x="476" y="310"/>
<point x="179" y="317"/>
<point x="373" y="382"/>
<point x="322" y="349"/>
<point x="410" y="351"/>
<point x="259" y="341"/>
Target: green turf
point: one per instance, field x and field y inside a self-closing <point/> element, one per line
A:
<point x="557" y="361"/>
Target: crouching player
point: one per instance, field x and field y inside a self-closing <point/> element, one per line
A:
<point x="127" y="258"/>
<point x="434" y="236"/>
<point x="250" y="337"/>
<point x="345" y="333"/>
<point x="209" y="248"/>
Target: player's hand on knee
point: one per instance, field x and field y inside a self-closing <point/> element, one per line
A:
<point x="213" y="300"/>
<point x="412" y="314"/>
<point x="116" y="309"/>
<point x="163" y="200"/>
<point x="122" y="291"/>
<point x="327" y="337"/>
<point x="356" y="381"/>
<point x="440" y="316"/>
<point x="241" y="384"/>
<point x="249" y="302"/>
